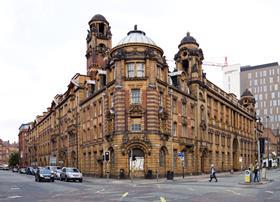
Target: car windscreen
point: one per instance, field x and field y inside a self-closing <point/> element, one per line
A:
<point x="45" y="171"/>
<point x="74" y="170"/>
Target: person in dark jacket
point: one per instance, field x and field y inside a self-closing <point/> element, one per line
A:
<point x="213" y="174"/>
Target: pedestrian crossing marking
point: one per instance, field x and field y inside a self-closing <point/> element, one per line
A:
<point x="162" y="199"/>
<point x="125" y="194"/>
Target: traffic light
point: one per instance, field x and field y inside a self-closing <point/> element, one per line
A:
<point x="107" y="156"/>
<point x="262" y="145"/>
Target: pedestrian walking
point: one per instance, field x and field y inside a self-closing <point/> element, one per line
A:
<point x="213" y="173"/>
<point x="256" y="172"/>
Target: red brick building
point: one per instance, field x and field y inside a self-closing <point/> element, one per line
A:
<point x="23" y="132"/>
<point x="6" y="148"/>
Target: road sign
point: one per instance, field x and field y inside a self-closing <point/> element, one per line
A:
<point x="180" y="154"/>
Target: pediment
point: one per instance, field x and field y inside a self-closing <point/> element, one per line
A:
<point x="136" y="110"/>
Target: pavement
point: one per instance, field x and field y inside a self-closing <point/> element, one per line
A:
<point x="229" y="188"/>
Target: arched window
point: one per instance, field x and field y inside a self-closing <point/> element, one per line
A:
<point x="174" y="129"/>
<point x="112" y="158"/>
<point x="161" y="158"/>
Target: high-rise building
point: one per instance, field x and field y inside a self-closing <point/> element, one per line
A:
<point x="264" y="83"/>
<point x="231" y="78"/>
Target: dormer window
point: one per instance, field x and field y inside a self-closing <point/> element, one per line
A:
<point x="135" y="70"/>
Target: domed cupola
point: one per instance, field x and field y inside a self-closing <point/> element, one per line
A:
<point x="248" y="100"/>
<point x="247" y="93"/>
<point x="188" y="40"/>
<point x="136" y="36"/>
<point x="98" y="18"/>
<point x="140" y="42"/>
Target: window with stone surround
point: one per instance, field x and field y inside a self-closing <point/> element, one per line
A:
<point x="136" y="125"/>
<point x="217" y="139"/>
<point x="184" y="109"/>
<point x="161" y="99"/>
<point x="135" y="70"/>
<point x="184" y="130"/>
<point x="174" y="105"/>
<point x="174" y="129"/>
<point x="135" y="96"/>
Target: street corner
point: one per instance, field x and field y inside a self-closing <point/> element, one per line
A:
<point x="263" y="182"/>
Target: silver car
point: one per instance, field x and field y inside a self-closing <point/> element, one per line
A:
<point x="70" y="173"/>
<point x="53" y="169"/>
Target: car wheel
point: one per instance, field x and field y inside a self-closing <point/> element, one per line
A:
<point x="80" y="180"/>
<point x="52" y="180"/>
<point x="39" y="180"/>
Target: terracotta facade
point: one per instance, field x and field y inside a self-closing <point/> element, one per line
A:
<point x="131" y="105"/>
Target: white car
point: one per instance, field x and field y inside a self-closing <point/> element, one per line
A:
<point x="57" y="174"/>
<point x="70" y="173"/>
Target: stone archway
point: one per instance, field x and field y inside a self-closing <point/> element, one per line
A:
<point x="136" y="160"/>
<point x="235" y="154"/>
<point x="73" y="159"/>
<point x="203" y="161"/>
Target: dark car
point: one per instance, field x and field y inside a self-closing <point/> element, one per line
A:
<point x="29" y="171"/>
<point x="44" y="174"/>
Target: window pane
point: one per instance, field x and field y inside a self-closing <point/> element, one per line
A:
<point x="140" y="69"/>
<point x="130" y="70"/>
<point x="135" y="127"/>
<point x="135" y="96"/>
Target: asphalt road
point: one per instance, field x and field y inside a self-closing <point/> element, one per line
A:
<point x="19" y="187"/>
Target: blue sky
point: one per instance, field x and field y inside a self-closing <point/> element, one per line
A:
<point x="42" y="43"/>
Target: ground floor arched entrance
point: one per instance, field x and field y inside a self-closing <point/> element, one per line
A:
<point x="136" y="160"/>
<point x="235" y="155"/>
<point x="203" y="161"/>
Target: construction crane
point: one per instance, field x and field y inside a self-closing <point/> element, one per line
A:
<point x="222" y="65"/>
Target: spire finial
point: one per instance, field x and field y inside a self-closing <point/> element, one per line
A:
<point x="188" y="34"/>
<point x="135" y="27"/>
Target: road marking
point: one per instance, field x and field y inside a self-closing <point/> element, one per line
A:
<point x="162" y="199"/>
<point x="13" y="188"/>
<point x="236" y="193"/>
<point x="125" y="194"/>
<point x="99" y="191"/>
<point x="143" y="197"/>
<point x="12" y="197"/>
<point x="271" y="192"/>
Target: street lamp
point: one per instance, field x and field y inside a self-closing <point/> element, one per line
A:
<point x="267" y="123"/>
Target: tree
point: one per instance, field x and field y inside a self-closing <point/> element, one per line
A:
<point x="14" y="159"/>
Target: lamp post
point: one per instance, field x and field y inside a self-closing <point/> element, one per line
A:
<point x="267" y="120"/>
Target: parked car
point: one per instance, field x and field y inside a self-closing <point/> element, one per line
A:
<point x="15" y="169"/>
<point x="22" y="170"/>
<point x="44" y="174"/>
<point x="5" y="167"/>
<point x="30" y="171"/>
<point x="57" y="174"/>
<point x="69" y="173"/>
<point x="53" y="169"/>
